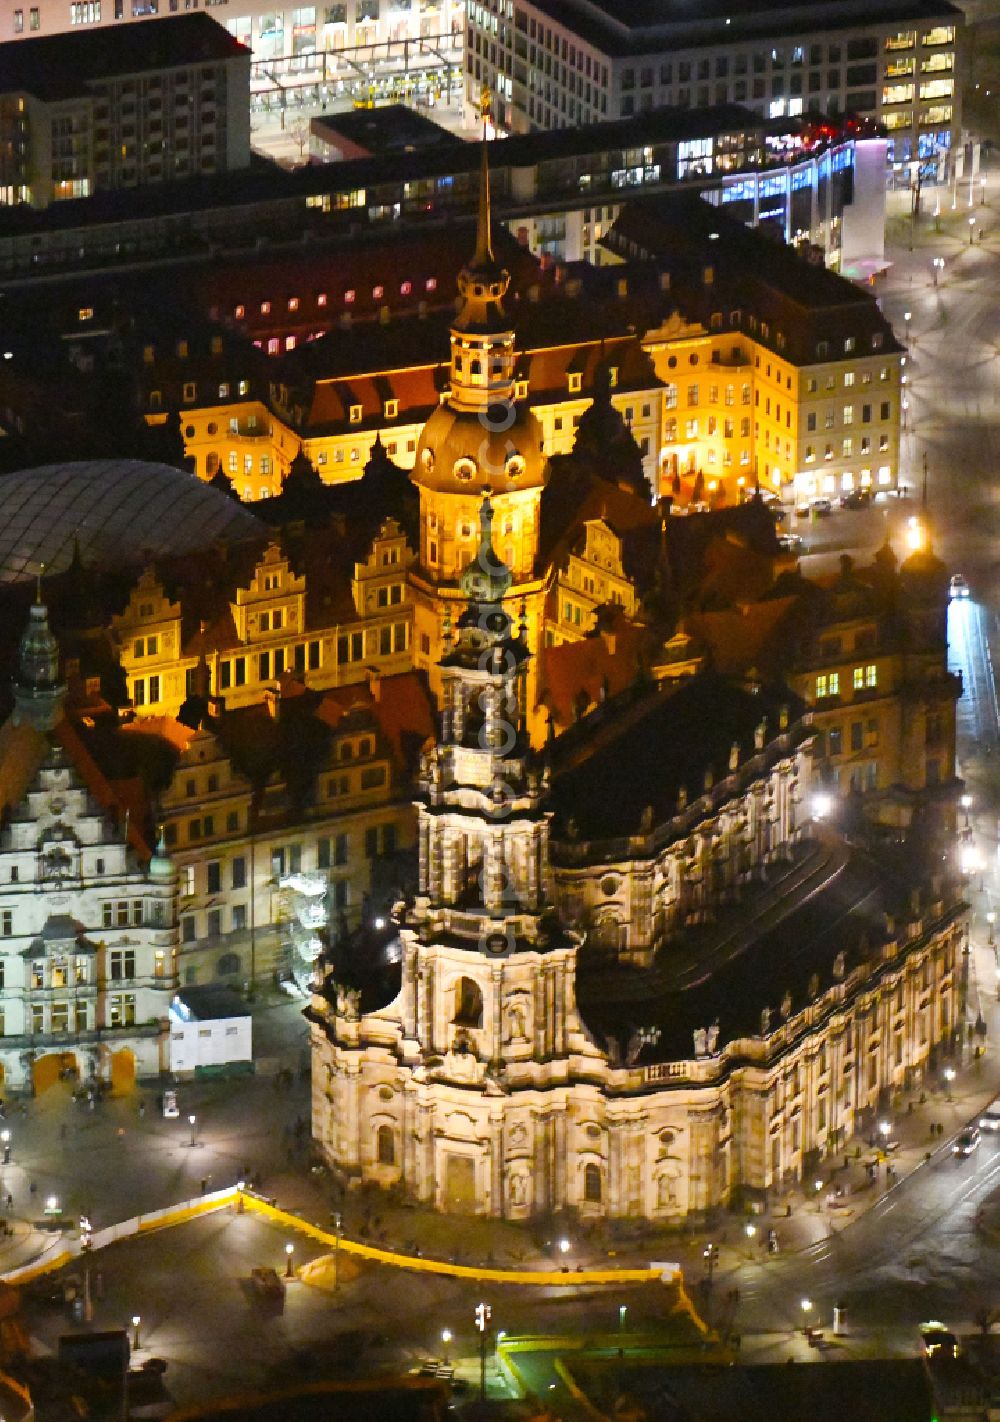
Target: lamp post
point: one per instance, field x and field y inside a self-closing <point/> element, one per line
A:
<point x="483" y="1315"/>
<point x="446" y="1336"/>
<point x="289" y="1251"/>
<point x="750" y="1230"/>
<point x="136" y="1321"/>
<point x="564" y="1246"/>
<point x="972" y="229"/>
<point x="949" y="1077"/>
<point x="938" y="268"/>
<point x="966" y="804"/>
<point x="240" y="1187"/>
<point x="193" y="1123"/>
<point x="5" y="1138"/>
<point x="806" y="1306"/>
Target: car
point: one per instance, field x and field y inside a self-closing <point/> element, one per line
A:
<point x="801" y="510"/>
<point x="170" y="1107"/>
<point x="789" y="542"/>
<point x="990" y="1119"/>
<point x="938" y="1341"/>
<point x="267" y="1282"/>
<point x="966" y="1142"/>
<point x="959" y="586"/>
<point x="821" y="507"/>
<point x="856" y="499"/>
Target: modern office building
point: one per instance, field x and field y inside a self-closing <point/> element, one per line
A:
<point x="554" y="65"/>
<point x="83" y="113"/>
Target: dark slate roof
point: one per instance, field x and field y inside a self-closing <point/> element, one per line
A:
<point x="892" y="1389"/>
<point x="829" y="900"/>
<point x="58" y="66"/>
<point x="646" y="750"/>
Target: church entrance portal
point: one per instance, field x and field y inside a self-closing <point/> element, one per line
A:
<point x="460" y="1184"/>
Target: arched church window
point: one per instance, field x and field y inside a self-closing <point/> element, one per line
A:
<point x="386" y="1146"/>
<point x="592" y="1184"/>
<point x="468" y="1003"/>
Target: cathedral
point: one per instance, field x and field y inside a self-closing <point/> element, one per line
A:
<point x="639" y="976"/>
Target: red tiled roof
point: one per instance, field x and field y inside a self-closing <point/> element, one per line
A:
<point x="576" y="675"/>
<point x="738" y="638"/>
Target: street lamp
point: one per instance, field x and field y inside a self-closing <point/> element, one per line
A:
<point x="938" y="267"/>
<point x="136" y="1320"/>
<point x="806" y="1306"/>
<point x="822" y="805"/>
<point x="193" y="1123"/>
<point x="750" y="1230"/>
<point x="289" y="1251"/>
<point x="884" y="1129"/>
<point x="52" y="1205"/>
<point x="5" y="1138"/>
<point x="949" y="1077"/>
<point x="564" y="1246"/>
<point x="914" y="528"/>
<point x="446" y="1339"/>
<point x="966" y="804"/>
<point x="483" y="1315"/>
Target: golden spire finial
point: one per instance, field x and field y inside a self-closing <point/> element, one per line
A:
<point x="484" y="244"/>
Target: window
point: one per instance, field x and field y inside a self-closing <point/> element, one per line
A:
<point x="871" y="675"/>
<point x="121" y="1009"/>
<point x="214" y="923"/>
<point x="239" y="873"/>
<point x="188" y="930"/>
<point x="385" y="1146"/>
<point x="213" y="871"/>
<point x="7" y="923"/>
<point x="121" y="964"/>
<point x="592" y="1184"/>
<point x="468" y="1003"/>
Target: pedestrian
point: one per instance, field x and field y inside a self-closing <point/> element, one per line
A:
<point x="142" y="1109"/>
<point x="10" y="1200"/>
<point x="33" y="1188"/>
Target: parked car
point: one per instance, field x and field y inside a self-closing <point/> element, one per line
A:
<point x="958" y="587"/>
<point x="821" y="507"/>
<point x="856" y="499"/>
<point x="966" y="1142"/>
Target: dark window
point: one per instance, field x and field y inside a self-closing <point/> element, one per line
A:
<point x="592" y="1184"/>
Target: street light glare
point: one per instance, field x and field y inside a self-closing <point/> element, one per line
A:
<point x="564" y="1246"/>
<point x="822" y="805"/>
<point x="806" y="1305"/>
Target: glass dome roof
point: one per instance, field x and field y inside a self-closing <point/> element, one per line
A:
<point x="115" y="509"/>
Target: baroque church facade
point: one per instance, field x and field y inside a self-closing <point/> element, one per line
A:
<point x="480" y="1054"/>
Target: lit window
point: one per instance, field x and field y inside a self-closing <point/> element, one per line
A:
<point x="86" y="313"/>
<point x="430" y="284"/>
<point x="871" y="675"/>
<point x="293" y="303"/>
<point x="405" y="288"/>
<point x="349" y="296"/>
<point x="321" y="298"/>
<point x="859" y="678"/>
<point x="378" y="292"/>
<point x="265" y="308"/>
<point x="239" y="312"/>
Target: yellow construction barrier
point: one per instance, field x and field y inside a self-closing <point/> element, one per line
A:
<point x="244" y="1201"/>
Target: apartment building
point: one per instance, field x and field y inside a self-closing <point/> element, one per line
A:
<point x="84" y="113"/>
<point x="552" y="66"/>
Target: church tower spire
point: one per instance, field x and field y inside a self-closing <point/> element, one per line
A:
<point x="38" y="692"/>
<point x="483" y="830"/>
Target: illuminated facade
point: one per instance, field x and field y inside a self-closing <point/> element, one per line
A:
<point x="475" y="1054"/>
<point x="897" y="66"/>
<point x="88" y="927"/>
